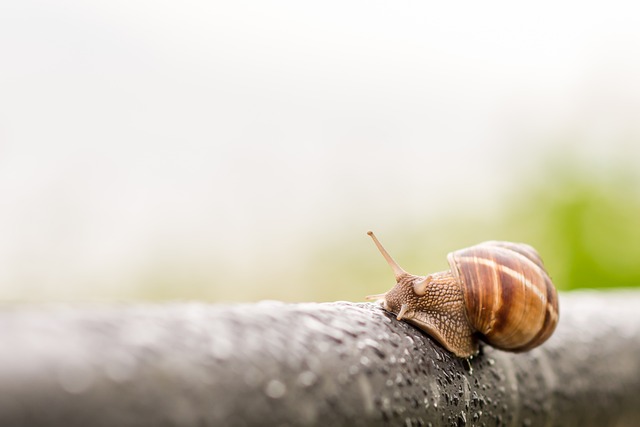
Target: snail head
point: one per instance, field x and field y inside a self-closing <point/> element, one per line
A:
<point x="400" y="299"/>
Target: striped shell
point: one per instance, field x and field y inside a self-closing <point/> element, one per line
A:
<point x="508" y="295"/>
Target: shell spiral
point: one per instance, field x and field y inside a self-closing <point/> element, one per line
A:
<point x="508" y="294"/>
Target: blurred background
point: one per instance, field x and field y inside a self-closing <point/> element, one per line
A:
<point x="238" y="151"/>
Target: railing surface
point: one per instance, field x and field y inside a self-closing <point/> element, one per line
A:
<point x="275" y="364"/>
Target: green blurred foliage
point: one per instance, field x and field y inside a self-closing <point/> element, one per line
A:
<point x="586" y="226"/>
<point x="584" y="223"/>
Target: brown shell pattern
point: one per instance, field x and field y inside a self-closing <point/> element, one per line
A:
<point x="508" y="294"/>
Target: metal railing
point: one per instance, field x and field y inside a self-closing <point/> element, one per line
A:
<point x="275" y="364"/>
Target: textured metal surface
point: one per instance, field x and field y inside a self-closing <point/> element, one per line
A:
<point x="275" y="364"/>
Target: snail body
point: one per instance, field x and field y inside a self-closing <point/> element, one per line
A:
<point x="496" y="291"/>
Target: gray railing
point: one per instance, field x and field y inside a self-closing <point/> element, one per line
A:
<point x="275" y="364"/>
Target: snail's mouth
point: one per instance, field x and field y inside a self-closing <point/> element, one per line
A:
<point x="400" y="311"/>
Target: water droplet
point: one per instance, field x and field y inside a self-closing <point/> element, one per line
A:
<point x="221" y="348"/>
<point x="399" y="378"/>
<point x="462" y="419"/>
<point x="374" y="345"/>
<point x="307" y="378"/>
<point x="435" y="392"/>
<point x="275" y="389"/>
<point x="386" y="403"/>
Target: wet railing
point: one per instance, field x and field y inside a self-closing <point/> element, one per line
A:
<point x="335" y="364"/>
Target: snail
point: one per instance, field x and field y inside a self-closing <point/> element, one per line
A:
<point x="496" y="291"/>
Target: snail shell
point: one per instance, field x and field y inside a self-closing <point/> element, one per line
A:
<point x="496" y="291"/>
